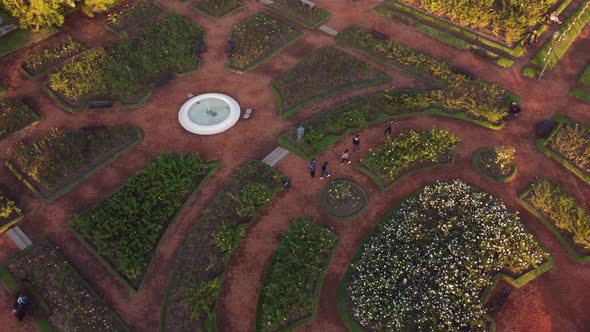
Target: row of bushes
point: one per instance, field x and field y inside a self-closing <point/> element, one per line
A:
<point x="132" y="14"/>
<point x="61" y="153"/>
<point x="126" y="68"/>
<point x="194" y="288"/>
<point x="410" y="149"/>
<point x="125" y="227"/>
<point x="14" y="116"/>
<point x="572" y="141"/>
<point x="42" y="59"/>
<point x="478" y="99"/>
<point x="290" y="290"/>
<point x="322" y="73"/>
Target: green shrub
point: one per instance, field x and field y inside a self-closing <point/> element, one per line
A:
<point x="291" y="288"/>
<point x="44" y="58"/>
<point x="562" y="209"/>
<point x="132" y="14"/>
<point x="313" y="138"/>
<point x="572" y="141"/>
<point x="397" y="155"/>
<point x="585" y="77"/>
<point x="14" y="116"/>
<point x="201" y="298"/>
<point x="7" y="207"/>
<point x="530" y="72"/>
<point x="252" y="197"/>
<point x="126" y="226"/>
<point x="228" y="237"/>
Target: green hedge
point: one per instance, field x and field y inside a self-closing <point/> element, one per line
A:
<point x="290" y="292"/>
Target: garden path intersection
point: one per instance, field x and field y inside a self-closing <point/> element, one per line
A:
<point x="555" y="301"/>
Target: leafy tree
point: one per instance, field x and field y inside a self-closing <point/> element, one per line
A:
<point x="97" y="6"/>
<point x="37" y="13"/>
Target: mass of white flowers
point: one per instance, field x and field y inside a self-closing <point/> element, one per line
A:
<point x="425" y="268"/>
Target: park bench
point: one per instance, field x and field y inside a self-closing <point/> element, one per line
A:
<point x="545" y="128"/>
<point x="378" y="35"/>
<point x="164" y="79"/>
<point x="308" y="3"/>
<point x="248" y="113"/>
<point x="100" y="104"/>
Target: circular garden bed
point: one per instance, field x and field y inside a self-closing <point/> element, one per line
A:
<point x="486" y="163"/>
<point x="343" y="200"/>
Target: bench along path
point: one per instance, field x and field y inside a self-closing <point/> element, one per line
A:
<point x="275" y="156"/>
<point x="19" y="237"/>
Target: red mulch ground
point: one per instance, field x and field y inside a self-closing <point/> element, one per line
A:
<point x="557" y="300"/>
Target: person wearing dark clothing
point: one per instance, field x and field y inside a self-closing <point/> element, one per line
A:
<point x="356" y="143"/>
<point x="345" y="158"/>
<point x="325" y="170"/>
<point x="387" y="132"/>
<point x="312" y="166"/>
<point x="18" y="309"/>
<point x="514" y="109"/>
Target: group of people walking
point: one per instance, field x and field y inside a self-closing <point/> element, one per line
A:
<point x="344" y="159"/>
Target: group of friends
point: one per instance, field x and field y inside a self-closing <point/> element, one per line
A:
<point x="552" y="18"/>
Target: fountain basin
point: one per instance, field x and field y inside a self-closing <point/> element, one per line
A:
<point x="209" y="114"/>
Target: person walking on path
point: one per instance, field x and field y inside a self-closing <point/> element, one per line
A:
<point x="387" y="132"/>
<point x="345" y="158"/>
<point x="312" y="166"/>
<point x="356" y="143"/>
<point x="325" y="170"/>
<point x="18" y="309"/>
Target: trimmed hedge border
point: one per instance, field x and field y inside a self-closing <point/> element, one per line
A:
<point x="331" y="139"/>
<point x="353" y="216"/>
<point x="580" y="94"/>
<point x="12" y="285"/>
<point x="78" y="180"/>
<point x="353" y="326"/>
<point x="541" y="145"/>
<point x="549" y="225"/>
<point x="320" y="281"/>
<point x="212" y="167"/>
<point x="236" y="9"/>
<point x="264" y="58"/>
<point x="297" y="20"/>
<point x="489" y="177"/>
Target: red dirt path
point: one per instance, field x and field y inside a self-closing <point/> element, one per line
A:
<point x="557" y="300"/>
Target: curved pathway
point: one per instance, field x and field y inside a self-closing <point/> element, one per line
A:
<point x="552" y="301"/>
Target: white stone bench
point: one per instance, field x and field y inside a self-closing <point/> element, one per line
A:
<point x="308" y="3"/>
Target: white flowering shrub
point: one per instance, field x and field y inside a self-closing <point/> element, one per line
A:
<point x="425" y="268"/>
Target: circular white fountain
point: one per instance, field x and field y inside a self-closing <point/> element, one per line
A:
<point x="209" y="113"/>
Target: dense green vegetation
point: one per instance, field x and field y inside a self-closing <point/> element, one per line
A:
<point x="126" y="69"/>
<point x="495" y="164"/>
<point x="412" y="149"/>
<point x="126" y="226"/>
<point x="194" y="287"/>
<point x="562" y="210"/>
<point x="71" y="304"/>
<point x="291" y="288"/>
<point x="572" y="141"/>
<point x="322" y="73"/>
<point x="297" y="11"/>
<point x="258" y="38"/>
<point x="62" y="153"/>
<point x="9" y="213"/>
<point x="14" y="116"/>
<point x="507" y="20"/>
<point x="426" y="265"/>
<point x="132" y="14"/>
<point x="44" y="58"/>
<point x="479" y="99"/>
<point x="218" y="8"/>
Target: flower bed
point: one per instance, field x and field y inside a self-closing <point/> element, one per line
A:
<point x="124" y="228"/>
<point x="323" y="73"/>
<point x="569" y="144"/>
<point x="507" y="22"/>
<point x="218" y="8"/>
<point x="408" y="153"/>
<point x="126" y="70"/>
<point x="497" y="164"/>
<point x="45" y="58"/>
<point x="343" y="200"/>
<point x="193" y="289"/>
<point x="14" y="116"/>
<point x="567" y="218"/>
<point x="300" y="13"/>
<point x="57" y="162"/>
<point x="71" y="303"/>
<point x="10" y="214"/>
<point x="478" y="99"/>
<point x="133" y="14"/>
<point x="257" y="39"/>
<point x="290" y="293"/>
<point x="426" y="266"/>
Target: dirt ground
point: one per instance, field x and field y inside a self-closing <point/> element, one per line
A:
<point x="555" y="301"/>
